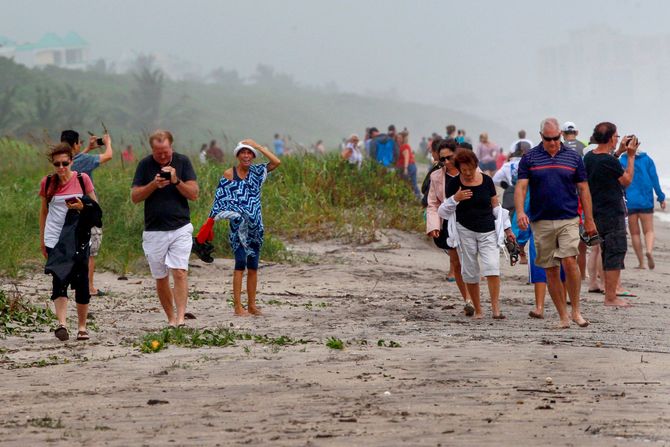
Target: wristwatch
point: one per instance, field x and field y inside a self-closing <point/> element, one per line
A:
<point x="178" y="181"/>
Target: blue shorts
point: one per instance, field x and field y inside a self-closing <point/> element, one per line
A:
<point x="242" y="261"/>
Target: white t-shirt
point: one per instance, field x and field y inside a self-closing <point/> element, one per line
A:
<point x="57" y="207"/>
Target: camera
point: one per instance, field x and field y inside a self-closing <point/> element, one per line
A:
<point x="99" y="142"/>
<point x="166" y="175"/>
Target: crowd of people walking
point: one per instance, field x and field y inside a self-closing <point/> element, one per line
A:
<point x="567" y="203"/>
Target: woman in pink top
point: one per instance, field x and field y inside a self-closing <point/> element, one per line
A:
<point x="63" y="195"/>
<point x="487" y="152"/>
<point x="435" y="226"/>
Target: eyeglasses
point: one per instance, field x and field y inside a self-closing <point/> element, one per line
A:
<point x="449" y="158"/>
<point x="63" y="164"/>
<point x="556" y="138"/>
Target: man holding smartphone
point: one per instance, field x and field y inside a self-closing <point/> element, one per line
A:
<point x="607" y="180"/>
<point x="85" y="163"/>
<point x="165" y="181"/>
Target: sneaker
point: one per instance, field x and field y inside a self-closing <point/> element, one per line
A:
<point x="203" y="251"/>
<point x="469" y="308"/>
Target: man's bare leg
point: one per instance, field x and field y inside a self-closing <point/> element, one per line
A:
<point x="611" y="282"/>
<point x="592" y="263"/>
<point x="237" y="294"/>
<point x="180" y="278"/>
<point x="165" y="296"/>
<point x="554" y="285"/>
<point x="573" y="283"/>
<point x="581" y="259"/>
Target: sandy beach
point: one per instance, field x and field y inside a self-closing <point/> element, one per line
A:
<point x="447" y="380"/>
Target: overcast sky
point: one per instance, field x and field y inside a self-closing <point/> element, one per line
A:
<point x="424" y="49"/>
<point x="457" y="53"/>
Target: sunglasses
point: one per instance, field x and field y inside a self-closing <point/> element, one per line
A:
<point x="63" y="164"/>
<point x="447" y="158"/>
<point x="556" y="138"/>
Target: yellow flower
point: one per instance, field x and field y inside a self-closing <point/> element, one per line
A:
<point x="155" y="344"/>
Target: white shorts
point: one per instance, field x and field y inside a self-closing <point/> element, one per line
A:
<point x="167" y="250"/>
<point x="476" y="248"/>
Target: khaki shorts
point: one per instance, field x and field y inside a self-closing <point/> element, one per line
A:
<point x="555" y="240"/>
<point x="96" y="240"/>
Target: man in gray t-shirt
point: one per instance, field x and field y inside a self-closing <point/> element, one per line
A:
<point x="85" y="163"/>
<point x="570" y="132"/>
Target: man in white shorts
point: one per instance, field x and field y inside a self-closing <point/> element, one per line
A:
<point x="165" y="181"/>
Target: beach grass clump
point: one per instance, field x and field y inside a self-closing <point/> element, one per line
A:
<point x="335" y="343"/>
<point x="218" y="337"/>
<point x="16" y="315"/>
<point x="307" y="198"/>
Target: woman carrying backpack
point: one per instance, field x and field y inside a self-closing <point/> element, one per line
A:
<point x="68" y="199"/>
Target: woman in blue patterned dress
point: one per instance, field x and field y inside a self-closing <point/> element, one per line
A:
<point x="238" y="199"/>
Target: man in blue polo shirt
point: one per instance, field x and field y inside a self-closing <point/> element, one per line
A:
<point x="555" y="176"/>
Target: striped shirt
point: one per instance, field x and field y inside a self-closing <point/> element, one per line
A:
<point x="552" y="182"/>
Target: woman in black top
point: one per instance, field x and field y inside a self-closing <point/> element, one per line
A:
<point x="476" y="225"/>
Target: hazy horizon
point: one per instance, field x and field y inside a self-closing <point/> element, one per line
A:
<point x="485" y="58"/>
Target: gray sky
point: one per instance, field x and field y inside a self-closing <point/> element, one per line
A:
<point x="478" y="56"/>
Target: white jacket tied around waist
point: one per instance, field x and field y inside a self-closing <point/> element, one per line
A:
<point x="447" y="211"/>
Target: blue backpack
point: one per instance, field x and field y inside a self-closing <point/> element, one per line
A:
<point x="385" y="152"/>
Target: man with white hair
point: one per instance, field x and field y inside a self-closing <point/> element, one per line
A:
<point x="555" y="176"/>
<point x="570" y="132"/>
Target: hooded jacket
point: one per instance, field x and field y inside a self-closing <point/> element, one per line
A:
<point x="73" y="243"/>
<point x="640" y="193"/>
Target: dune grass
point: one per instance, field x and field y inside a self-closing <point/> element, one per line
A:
<point x="307" y="197"/>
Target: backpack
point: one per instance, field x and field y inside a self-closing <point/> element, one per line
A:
<point x="508" y="194"/>
<point x="48" y="181"/>
<point x="385" y="152"/>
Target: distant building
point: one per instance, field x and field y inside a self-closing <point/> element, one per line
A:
<point x="70" y="51"/>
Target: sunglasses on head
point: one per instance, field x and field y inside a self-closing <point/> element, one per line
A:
<point x="63" y="164"/>
<point x="556" y="138"/>
<point x="447" y="158"/>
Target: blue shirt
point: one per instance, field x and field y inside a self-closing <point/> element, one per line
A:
<point x="279" y="147"/>
<point x="85" y="163"/>
<point x="552" y="182"/>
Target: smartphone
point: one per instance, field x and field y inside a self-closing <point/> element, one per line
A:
<point x="166" y="175"/>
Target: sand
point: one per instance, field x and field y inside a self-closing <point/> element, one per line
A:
<point x="451" y="381"/>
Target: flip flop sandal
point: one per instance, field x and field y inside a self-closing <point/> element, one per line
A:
<point x="627" y="293"/>
<point x="499" y="317"/>
<point x="596" y="291"/>
<point x="83" y="335"/>
<point x="189" y="316"/>
<point x="61" y="333"/>
<point x="533" y="314"/>
<point x="584" y="324"/>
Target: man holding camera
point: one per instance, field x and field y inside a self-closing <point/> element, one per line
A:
<point x="165" y="181"/>
<point x="85" y="163"/>
<point x="555" y="176"/>
<point x="607" y="180"/>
